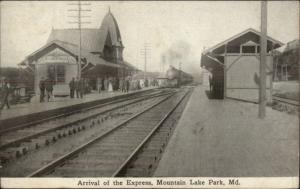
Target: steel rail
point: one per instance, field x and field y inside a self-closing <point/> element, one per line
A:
<point x="286" y="100"/>
<point x="146" y="97"/>
<point x="147" y="138"/>
<point x="50" y="166"/>
<point x="29" y="124"/>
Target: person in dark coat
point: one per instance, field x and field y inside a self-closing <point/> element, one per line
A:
<point x="81" y="87"/>
<point x="210" y="82"/>
<point x="99" y="84"/>
<point x="105" y="84"/>
<point x="49" y="88"/>
<point x="5" y="93"/>
<point x="42" y="89"/>
<point x="146" y="82"/>
<point x="77" y="87"/>
<point x="72" y="87"/>
<point x="127" y="85"/>
<point x="121" y="85"/>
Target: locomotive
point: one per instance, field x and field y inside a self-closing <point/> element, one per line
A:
<point x="176" y="78"/>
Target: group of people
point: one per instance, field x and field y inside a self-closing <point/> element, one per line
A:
<point x="46" y="89"/>
<point x="77" y="87"/>
<point x="123" y="84"/>
<point x="113" y="84"/>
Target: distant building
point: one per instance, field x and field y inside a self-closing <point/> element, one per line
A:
<point x="101" y="56"/>
<point x="234" y="64"/>
<point x="286" y="62"/>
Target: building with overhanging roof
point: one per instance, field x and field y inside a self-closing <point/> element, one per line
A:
<point x="101" y="56"/>
<point x="234" y="64"/>
<point x="286" y="62"/>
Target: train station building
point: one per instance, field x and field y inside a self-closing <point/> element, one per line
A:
<point x="101" y="56"/>
<point x="234" y="64"/>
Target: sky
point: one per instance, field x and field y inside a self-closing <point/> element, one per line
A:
<point x="183" y="27"/>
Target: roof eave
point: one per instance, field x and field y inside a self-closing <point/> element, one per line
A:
<point x="223" y="43"/>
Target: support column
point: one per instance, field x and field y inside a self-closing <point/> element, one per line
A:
<point x="225" y="72"/>
<point x="263" y="58"/>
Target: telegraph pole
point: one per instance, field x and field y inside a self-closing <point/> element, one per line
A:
<point x="263" y="58"/>
<point x="79" y="22"/>
<point x="145" y="52"/>
<point x="179" y="77"/>
<point x="163" y="63"/>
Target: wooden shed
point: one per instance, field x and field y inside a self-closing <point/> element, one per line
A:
<point x="235" y="66"/>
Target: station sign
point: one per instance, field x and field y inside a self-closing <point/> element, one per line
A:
<point x="57" y="56"/>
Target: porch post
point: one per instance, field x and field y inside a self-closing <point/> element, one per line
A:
<point x="225" y="72"/>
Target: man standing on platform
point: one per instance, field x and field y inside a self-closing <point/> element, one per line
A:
<point x="80" y="87"/>
<point x="77" y="87"/>
<point x="42" y="89"/>
<point x="127" y="84"/>
<point x="99" y="83"/>
<point x="49" y="88"/>
<point x="72" y="87"/>
<point x="5" y="93"/>
<point x="105" y="84"/>
<point x="121" y="85"/>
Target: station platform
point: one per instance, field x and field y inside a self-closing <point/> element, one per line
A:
<point x="57" y="105"/>
<point x="225" y="138"/>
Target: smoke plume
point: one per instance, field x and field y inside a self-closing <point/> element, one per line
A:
<point x="178" y="52"/>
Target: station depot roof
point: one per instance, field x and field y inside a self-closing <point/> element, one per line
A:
<point x="242" y="38"/>
<point x="213" y="57"/>
<point x="92" y="39"/>
<point x="292" y="45"/>
<point x="88" y="59"/>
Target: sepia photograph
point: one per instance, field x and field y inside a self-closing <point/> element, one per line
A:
<point x="149" y="94"/>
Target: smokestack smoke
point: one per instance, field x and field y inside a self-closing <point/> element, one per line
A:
<point x="178" y="52"/>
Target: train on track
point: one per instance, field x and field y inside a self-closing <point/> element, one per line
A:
<point x="176" y="78"/>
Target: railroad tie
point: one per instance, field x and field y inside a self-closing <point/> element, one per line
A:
<point x="79" y="128"/>
<point x="70" y="132"/>
<point x="38" y="142"/>
<point x="16" y="151"/>
<point x="5" y="157"/>
<point x="74" y="129"/>
<point x="30" y="145"/>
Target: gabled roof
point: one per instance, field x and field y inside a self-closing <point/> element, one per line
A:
<point x="91" y="39"/>
<point x="73" y="50"/>
<point x="247" y="31"/>
<point x="292" y="45"/>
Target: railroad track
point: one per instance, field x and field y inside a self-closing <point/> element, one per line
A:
<point x="111" y="153"/>
<point x="285" y="101"/>
<point x="18" y="142"/>
<point x="74" y="111"/>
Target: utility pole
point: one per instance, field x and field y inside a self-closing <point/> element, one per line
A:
<point x="79" y="22"/>
<point x="263" y="58"/>
<point x="146" y="53"/>
<point x="179" y="77"/>
<point x="163" y="63"/>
